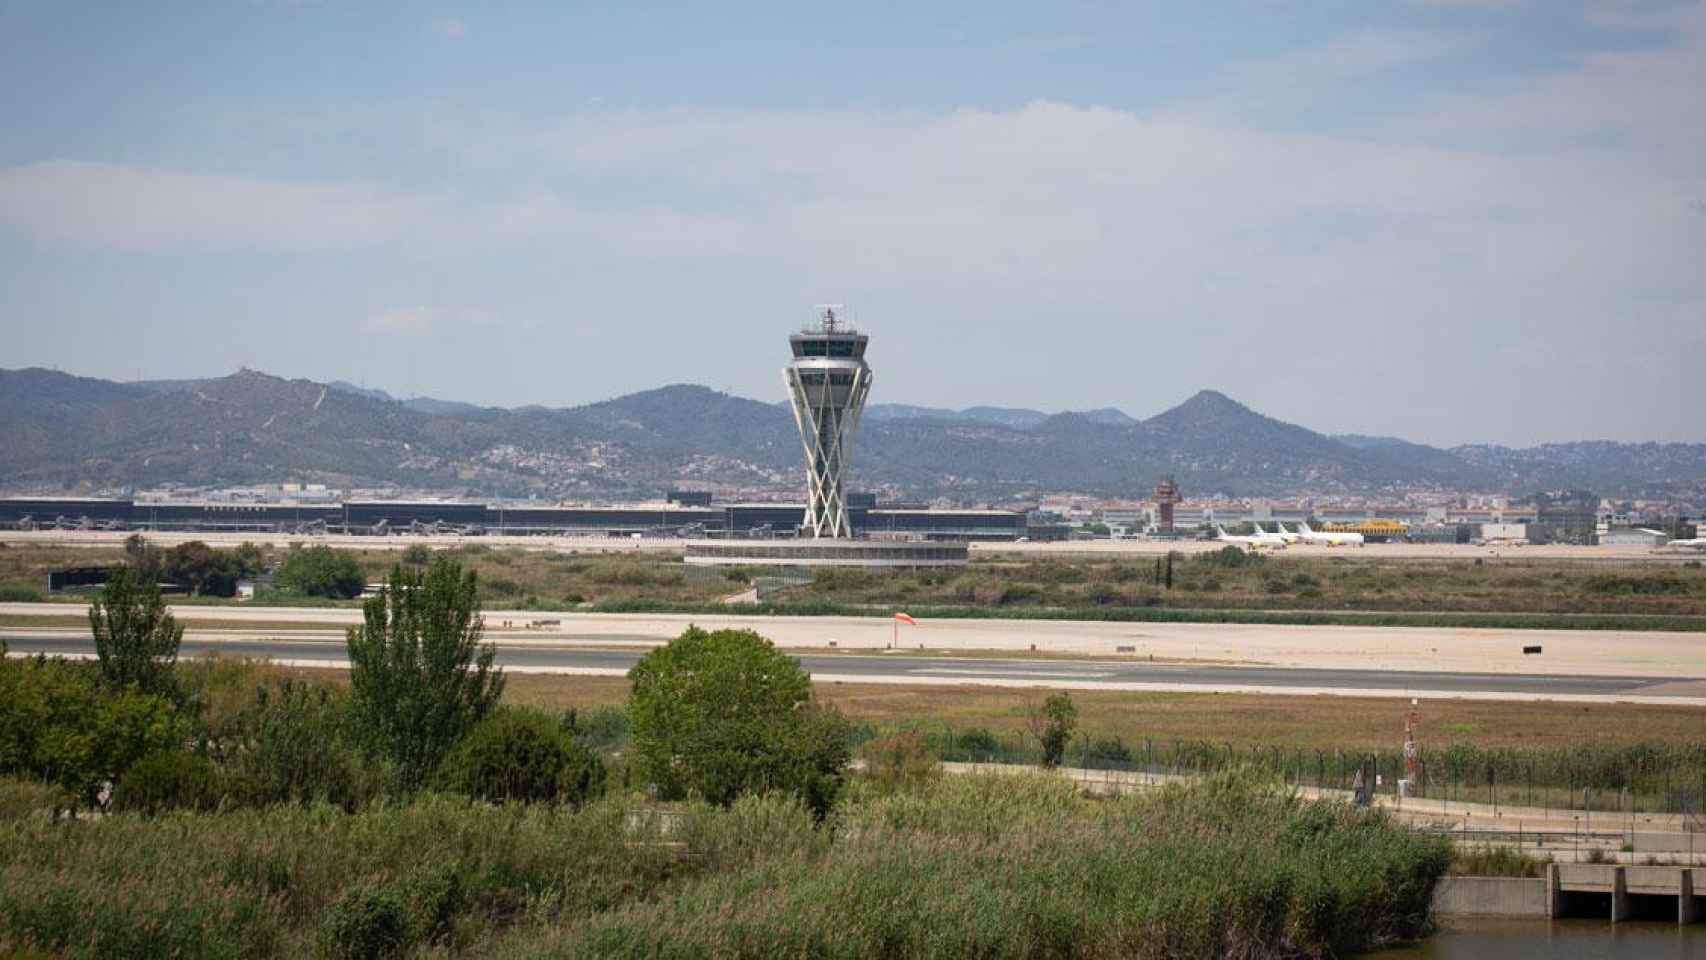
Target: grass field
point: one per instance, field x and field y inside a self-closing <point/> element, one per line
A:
<point x="1242" y="720"/>
<point x="1239" y="719"/>
<point x="1229" y="587"/>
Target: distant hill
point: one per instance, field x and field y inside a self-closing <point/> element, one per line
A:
<point x="1017" y="417"/>
<point x="59" y="431"/>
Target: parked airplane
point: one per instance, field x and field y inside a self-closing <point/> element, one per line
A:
<point x="1281" y="532"/>
<point x="1261" y="540"/>
<point x="1329" y="538"/>
<point x="1697" y="543"/>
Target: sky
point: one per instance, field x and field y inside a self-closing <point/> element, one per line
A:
<point x="1454" y="222"/>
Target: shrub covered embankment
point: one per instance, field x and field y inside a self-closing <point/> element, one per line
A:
<point x="992" y="866"/>
<point x="1019" y="867"/>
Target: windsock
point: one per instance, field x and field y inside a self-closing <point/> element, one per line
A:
<point x="906" y="618"/>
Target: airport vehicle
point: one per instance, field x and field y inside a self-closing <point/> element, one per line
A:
<point x="1261" y="540"/>
<point x="1329" y="538"/>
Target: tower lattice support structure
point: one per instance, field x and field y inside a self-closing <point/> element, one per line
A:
<point x="827" y="381"/>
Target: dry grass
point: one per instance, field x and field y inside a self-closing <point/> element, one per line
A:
<point x="1242" y="720"/>
<point x="512" y="577"/>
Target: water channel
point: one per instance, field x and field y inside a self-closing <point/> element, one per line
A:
<point x="1556" y="940"/>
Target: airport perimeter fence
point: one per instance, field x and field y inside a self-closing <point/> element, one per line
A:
<point x="1634" y="780"/>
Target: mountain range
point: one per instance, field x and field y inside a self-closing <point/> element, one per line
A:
<point x="63" y="432"/>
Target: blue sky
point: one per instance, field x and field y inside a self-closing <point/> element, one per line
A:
<point x="1450" y="221"/>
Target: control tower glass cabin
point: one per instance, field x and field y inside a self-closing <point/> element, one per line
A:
<point x="827" y="383"/>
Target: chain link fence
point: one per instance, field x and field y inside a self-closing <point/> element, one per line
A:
<point x="1631" y="780"/>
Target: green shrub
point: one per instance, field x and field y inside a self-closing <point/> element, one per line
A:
<point x="1052" y="725"/>
<point x="417" y="554"/>
<point x="1230" y="558"/>
<point x="216" y="688"/>
<point x="60" y="726"/>
<point x="321" y="571"/>
<point x="1019" y="593"/>
<point x="367" y="923"/>
<point x="725" y="713"/>
<point x="900" y="762"/>
<point x="1110" y="750"/>
<point x="519" y="754"/>
<point x="600" y="728"/>
<point x="168" y="780"/>
<point x="14" y="593"/>
<point x="975" y="744"/>
<point x="293" y="744"/>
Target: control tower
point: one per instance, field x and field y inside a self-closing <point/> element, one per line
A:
<point x="827" y="383"/>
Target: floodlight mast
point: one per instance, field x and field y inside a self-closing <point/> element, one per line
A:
<point x="827" y="382"/>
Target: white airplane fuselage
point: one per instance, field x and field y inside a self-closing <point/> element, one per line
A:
<point x="1329" y="539"/>
<point x="1261" y="541"/>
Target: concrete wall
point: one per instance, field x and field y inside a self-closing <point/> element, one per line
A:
<point x="1491" y="897"/>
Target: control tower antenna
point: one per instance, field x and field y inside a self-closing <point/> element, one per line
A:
<point x="827" y="382"/>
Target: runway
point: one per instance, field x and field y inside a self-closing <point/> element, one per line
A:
<point x="1372" y="661"/>
<point x="602" y="544"/>
<point x="589" y="656"/>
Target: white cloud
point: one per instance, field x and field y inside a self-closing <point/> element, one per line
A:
<point x="450" y="28"/>
<point x="138" y="208"/>
<point x="1058" y="236"/>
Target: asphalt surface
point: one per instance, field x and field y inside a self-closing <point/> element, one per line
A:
<point x="899" y="668"/>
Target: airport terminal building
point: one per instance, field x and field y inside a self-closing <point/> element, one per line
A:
<point x="671" y="519"/>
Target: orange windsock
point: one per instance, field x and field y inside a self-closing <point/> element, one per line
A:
<point x="905" y="618"/>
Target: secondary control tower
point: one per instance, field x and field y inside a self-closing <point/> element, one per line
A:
<point x="827" y="381"/>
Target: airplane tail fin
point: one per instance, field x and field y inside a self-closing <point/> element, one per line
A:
<point x="1220" y="530"/>
<point x="1303" y="527"/>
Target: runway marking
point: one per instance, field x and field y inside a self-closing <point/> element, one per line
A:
<point x="1055" y="674"/>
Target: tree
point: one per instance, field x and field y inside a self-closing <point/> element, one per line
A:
<point x="249" y="558"/>
<point x="419" y="675"/>
<point x="59" y="726"/>
<point x="525" y="756"/>
<point x="136" y="640"/>
<point x="293" y="743"/>
<point x="200" y="569"/>
<point x="143" y="557"/>
<point x="1052" y="725"/>
<point x="725" y="713"/>
<point x="321" y="571"/>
